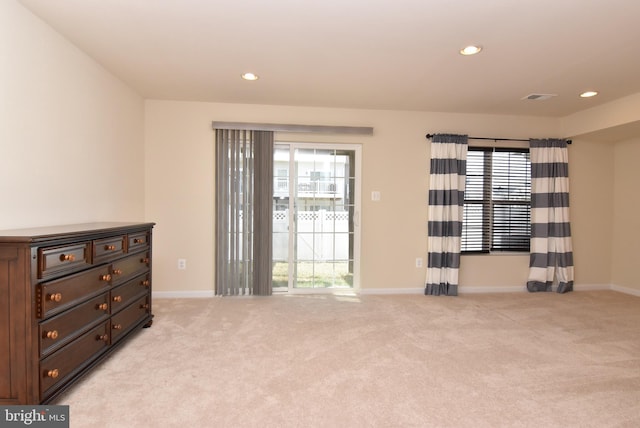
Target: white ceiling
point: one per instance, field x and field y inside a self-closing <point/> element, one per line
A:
<point x="377" y="54"/>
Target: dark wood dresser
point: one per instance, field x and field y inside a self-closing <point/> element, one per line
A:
<point x="69" y="296"/>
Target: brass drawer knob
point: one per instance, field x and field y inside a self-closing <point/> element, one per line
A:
<point x="56" y="297"/>
<point x="67" y="257"/>
<point x="144" y="306"/>
<point x="109" y="247"/>
<point x="103" y="337"/>
<point x="103" y="306"/>
<point x="105" y="277"/>
<point x="117" y="326"/>
<point x="53" y="373"/>
<point x="145" y="260"/>
<point x="53" y="334"/>
<point x="117" y="271"/>
<point x="117" y="299"/>
<point x="138" y="241"/>
<point x="145" y="283"/>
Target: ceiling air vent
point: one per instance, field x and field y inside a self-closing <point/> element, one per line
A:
<point x="539" y="97"/>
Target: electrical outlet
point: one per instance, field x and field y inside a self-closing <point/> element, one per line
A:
<point x="182" y="264"/>
<point x="418" y="262"/>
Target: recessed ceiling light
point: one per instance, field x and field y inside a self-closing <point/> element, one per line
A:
<point x="588" y="94"/>
<point x="250" y="76"/>
<point x="470" y="50"/>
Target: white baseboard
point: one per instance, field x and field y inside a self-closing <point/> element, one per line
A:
<point x="492" y="289"/>
<point x="183" y="294"/>
<point x="415" y="290"/>
<point x="625" y="290"/>
<point x="374" y="291"/>
<point x="461" y="290"/>
<point x="497" y="289"/>
<point x="523" y="288"/>
<point x="591" y="287"/>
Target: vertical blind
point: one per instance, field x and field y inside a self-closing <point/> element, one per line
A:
<point x="243" y="225"/>
<point x="497" y="206"/>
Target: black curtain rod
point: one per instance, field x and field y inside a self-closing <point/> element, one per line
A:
<point x="429" y="136"/>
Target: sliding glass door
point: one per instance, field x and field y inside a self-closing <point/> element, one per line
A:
<point x="316" y="217"/>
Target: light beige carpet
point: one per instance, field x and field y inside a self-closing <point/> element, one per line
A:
<point x="496" y="360"/>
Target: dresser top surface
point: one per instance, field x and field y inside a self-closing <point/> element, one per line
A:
<point x="37" y="234"/>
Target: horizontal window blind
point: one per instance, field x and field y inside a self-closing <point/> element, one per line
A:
<point x="475" y="221"/>
<point x="497" y="207"/>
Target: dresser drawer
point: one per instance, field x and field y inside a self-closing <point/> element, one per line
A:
<point x="138" y="241"/>
<point x="55" y="296"/>
<point x="124" y="269"/>
<point x="129" y="317"/>
<point x="61" y="329"/>
<point x="63" y="259"/>
<point x="124" y="294"/>
<point x="69" y="360"/>
<point x="108" y="248"/>
<point x="56" y="288"/>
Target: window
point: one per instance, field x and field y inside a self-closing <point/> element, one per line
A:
<point x="497" y="200"/>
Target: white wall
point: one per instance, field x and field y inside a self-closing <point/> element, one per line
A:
<point x="626" y="228"/>
<point x="71" y="134"/>
<point x="180" y="187"/>
<point x="591" y="170"/>
<point x="615" y="114"/>
<point x="76" y="145"/>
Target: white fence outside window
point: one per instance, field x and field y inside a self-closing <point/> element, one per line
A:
<point x="322" y="235"/>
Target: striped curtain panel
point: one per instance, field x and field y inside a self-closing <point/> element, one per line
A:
<point x="551" y="248"/>
<point x="244" y="219"/>
<point x="446" y="204"/>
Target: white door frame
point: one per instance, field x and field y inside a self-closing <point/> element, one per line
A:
<point x="357" y="149"/>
